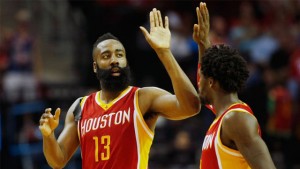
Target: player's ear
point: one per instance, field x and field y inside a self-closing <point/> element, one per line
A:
<point x="95" y="67"/>
<point x="211" y="82"/>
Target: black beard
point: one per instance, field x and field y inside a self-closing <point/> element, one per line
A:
<point x="114" y="83"/>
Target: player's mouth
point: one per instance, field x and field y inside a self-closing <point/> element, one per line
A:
<point x="115" y="71"/>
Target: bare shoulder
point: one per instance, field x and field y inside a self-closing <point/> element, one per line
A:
<point x="237" y="118"/>
<point x="147" y="95"/>
<point x="237" y="124"/>
<point x="151" y="91"/>
<point x="70" y="117"/>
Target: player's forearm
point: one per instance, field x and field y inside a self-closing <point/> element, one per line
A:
<point x="184" y="90"/>
<point x="53" y="153"/>
<point x="201" y="50"/>
<point x="262" y="162"/>
<point x="258" y="156"/>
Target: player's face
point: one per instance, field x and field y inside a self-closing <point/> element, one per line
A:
<point x="203" y="90"/>
<point x="110" y="54"/>
<point x="111" y="66"/>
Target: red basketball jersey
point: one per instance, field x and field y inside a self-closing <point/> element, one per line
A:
<point x="215" y="155"/>
<point x="114" y="135"/>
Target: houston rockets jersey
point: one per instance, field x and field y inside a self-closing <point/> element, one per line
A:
<point x="215" y="155"/>
<point x="114" y="135"/>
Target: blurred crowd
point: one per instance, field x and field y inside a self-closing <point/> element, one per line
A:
<point x="46" y="61"/>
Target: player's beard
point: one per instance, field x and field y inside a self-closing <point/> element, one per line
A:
<point x="114" y="83"/>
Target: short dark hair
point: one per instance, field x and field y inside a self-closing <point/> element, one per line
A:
<point x="105" y="37"/>
<point x="225" y="65"/>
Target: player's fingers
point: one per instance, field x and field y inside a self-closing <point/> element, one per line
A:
<point x="196" y="28"/>
<point x="152" y="23"/>
<point x="145" y="32"/>
<point x="206" y="12"/>
<point x="46" y="115"/>
<point x="195" y="31"/>
<point x="198" y="14"/>
<point x="48" y="110"/>
<point x="159" y="19"/>
<point x="43" y="121"/>
<point x="207" y="17"/>
<point x="57" y="114"/>
<point x="201" y="12"/>
<point x="166" y="22"/>
<point x="156" y="20"/>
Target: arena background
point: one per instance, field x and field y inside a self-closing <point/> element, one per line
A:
<point x="58" y="69"/>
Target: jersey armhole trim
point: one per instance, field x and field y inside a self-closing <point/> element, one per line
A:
<point x="224" y="148"/>
<point x="140" y="116"/>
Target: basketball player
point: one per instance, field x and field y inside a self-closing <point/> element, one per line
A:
<point x="233" y="140"/>
<point x="114" y="127"/>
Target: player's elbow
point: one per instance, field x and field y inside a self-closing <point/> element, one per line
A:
<point x="192" y="112"/>
<point x="194" y="107"/>
<point x="57" y="164"/>
<point x="189" y="112"/>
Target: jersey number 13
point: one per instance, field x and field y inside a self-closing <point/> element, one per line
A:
<point x="105" y="142"/>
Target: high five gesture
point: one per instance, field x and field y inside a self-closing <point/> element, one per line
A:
<point x="160" y="35"/>
<point x="201" y="30"/>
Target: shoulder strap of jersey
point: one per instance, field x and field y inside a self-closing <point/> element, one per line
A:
<point x="241" y="106"/>
<point x="77" y="111"/>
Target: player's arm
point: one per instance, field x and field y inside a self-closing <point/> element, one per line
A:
<point x="242" y="129"/>
<point x="185" y="102"/>
<point x="59" y="151"/>
<point x="153" y="99"/>
<point x="201" y="34"/>
<point x="201" y="30"/>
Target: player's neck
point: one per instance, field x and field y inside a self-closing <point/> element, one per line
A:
<point x="224" y="101"/>
<point x="108" y="96"/>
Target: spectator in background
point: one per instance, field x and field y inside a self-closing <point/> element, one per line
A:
<point x="182" y="44"/>
<point x="4" y="51"/>
<point x="182" y="152"/>
<point x="20" y="80"/>
<point x="281" y="111"/>
<point x="218" y="33"/>
<point x="245" y="28"/>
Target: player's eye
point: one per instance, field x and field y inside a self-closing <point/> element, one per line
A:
<point x="105" y="55"/>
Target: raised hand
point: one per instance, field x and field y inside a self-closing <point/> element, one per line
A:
<point x="201" y="30"/>
<point x="48" y="122"/>
<point x="160" y="35"/>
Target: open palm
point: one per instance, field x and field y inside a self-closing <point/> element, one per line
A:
<point x="160" y="35"/>
<point x="201" y="30"/>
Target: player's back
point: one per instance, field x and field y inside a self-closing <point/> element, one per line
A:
<point x="214" y="153"/>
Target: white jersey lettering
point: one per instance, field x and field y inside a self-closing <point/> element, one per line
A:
<point x="207" y="143"/>
<point x="107" y="120"/>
